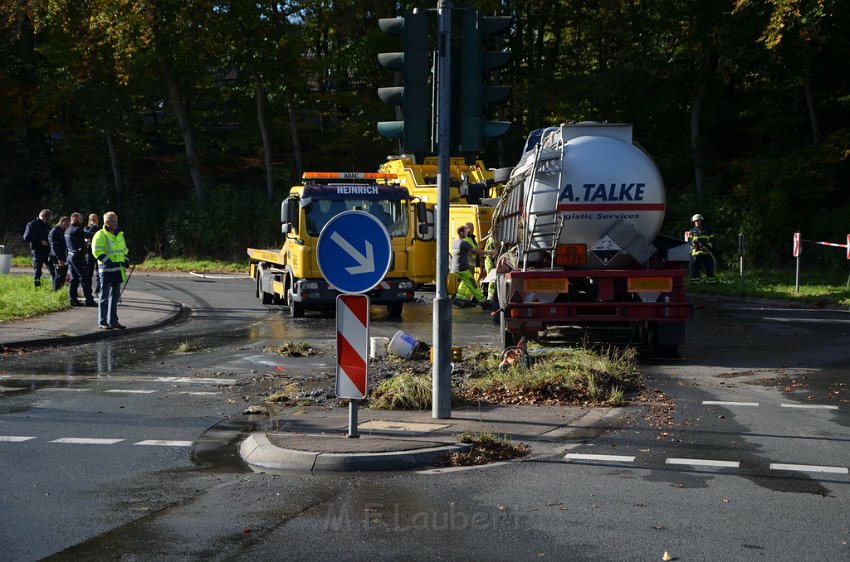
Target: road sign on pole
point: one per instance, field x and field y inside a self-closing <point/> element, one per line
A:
<point x="352" y="344"/>
<point x="354" y="252"/>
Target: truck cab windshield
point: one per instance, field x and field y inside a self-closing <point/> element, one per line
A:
<point x="392" y="214"/>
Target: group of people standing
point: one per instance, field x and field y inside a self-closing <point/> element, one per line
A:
<point x="72" y="249"/>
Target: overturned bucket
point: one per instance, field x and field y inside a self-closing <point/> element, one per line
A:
<point x="402" y="345"/>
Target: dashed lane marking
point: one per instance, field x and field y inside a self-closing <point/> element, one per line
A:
<point x="200" y="393"/>
<point x="809" y="406"/>
<point x="704" y="462"/>
<point x="728" y="403"/>
<point x="191" y="380"/>
<point x="129" y="391"/>
<point x="604" y="458"/>
<point x="164" y="443"/>
<point x="809" y="468"/>
<point x="96" y="441"/>
<point x="87" y="441"/>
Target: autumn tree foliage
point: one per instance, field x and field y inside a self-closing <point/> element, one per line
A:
<point x="192" y="117"/>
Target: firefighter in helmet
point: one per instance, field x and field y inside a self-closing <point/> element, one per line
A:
<point x="702" y="242"/>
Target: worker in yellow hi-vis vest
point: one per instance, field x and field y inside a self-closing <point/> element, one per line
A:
<point x="467" y="289"/>
<point x="110" y="251"/>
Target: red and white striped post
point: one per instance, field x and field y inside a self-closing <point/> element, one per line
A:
<point x="352" y="346"/>
<point x="798" y="249"/>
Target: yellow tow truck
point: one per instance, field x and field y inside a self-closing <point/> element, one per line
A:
<point x="290" y="275"/>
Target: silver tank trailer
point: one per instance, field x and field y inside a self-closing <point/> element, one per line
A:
<point x="608" y="193"/>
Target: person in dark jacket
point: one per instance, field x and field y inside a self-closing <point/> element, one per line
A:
<point x="75" y="239"/>
<point x="36" y="233"/>
<point x="90" y="230"/>
<point x="59" y="252"/>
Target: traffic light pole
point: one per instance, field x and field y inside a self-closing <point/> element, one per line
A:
<point x="441" y="393"/>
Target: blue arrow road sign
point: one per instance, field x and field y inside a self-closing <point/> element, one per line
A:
<point x="354" y="252"/>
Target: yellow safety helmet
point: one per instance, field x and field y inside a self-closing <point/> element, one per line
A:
<point x="696" y="218"/>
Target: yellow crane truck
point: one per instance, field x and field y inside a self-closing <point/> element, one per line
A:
<point x="290" y="275"/>
<point x="474" y="190"/>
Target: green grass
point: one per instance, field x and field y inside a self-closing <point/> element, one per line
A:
<point x="197" y="266"/>
<point x="568" y="375"/>
<point x="20" y="299"/>
<point x="161" y="264"/>
<point x="819" y="288"/>
<point x="405" y="391"/>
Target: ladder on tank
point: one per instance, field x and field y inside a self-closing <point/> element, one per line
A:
<point x="548" y="222"/>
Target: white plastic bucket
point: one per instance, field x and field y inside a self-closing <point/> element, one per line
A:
<point x="5" y="263"/>
<point x="378" y="347"/>
<point x="402" y="344"/>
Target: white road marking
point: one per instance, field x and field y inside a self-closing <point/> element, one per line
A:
<point x="129" y="391"/>
<point x="87" y="441"/>
<point x="164" y="443"/>
<point x="10" y="389"/>
<point x="191" y="380"/>
<point x="63" y="389"/>
<point x="810" y="406"/>
<point x="588" y="457"/>
<point x="809" y="468"/>
<point x="200" y="393"/>
<point x="704" y="462"/>
<point x="14" y="438"/>
<point x="728" y="403"/>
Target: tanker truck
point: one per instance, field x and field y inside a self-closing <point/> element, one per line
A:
<point x="577" y="229"/>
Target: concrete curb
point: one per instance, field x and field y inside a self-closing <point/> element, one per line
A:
<point x="257" y="451"/>
<point x="178" y="310"/>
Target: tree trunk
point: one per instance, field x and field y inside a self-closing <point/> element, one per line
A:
<point x="810" y="97"/>
<point x="264" y="133"/>
<point x="113" y="159"/>
<point x="182" y="115"/>
<point x="296" y="144"/>
<point x="696" y="148"/>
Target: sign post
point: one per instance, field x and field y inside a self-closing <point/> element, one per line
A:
<point x="354" y="253"/>
<point x="798" y="249"/>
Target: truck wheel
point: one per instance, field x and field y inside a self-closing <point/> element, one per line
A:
<point x="394" y="309"/>
<point x="296" y="309"/>
<point x="508" y="339"/>
<point x="265" y="298"/>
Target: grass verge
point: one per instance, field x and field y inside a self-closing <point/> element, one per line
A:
<point x="20" y="299"/>
<point x="404" y="391"/>
<point x="564" y="376"/>
<point x="486" y="448"/>
<point x="816" y="288"/>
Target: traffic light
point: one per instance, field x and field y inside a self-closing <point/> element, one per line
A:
<point x="472" y="94"/>
<point x="414" y="96"/>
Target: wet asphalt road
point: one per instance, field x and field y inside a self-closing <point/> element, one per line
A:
<point x="731" y="405"/>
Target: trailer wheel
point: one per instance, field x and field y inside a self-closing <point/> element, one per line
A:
<point x="395" y="309"/>
<point x="660" y="350"/>
<point x="508" y="339"/>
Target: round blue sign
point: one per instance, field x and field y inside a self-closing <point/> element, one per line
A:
<point x="354" y="252"/>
